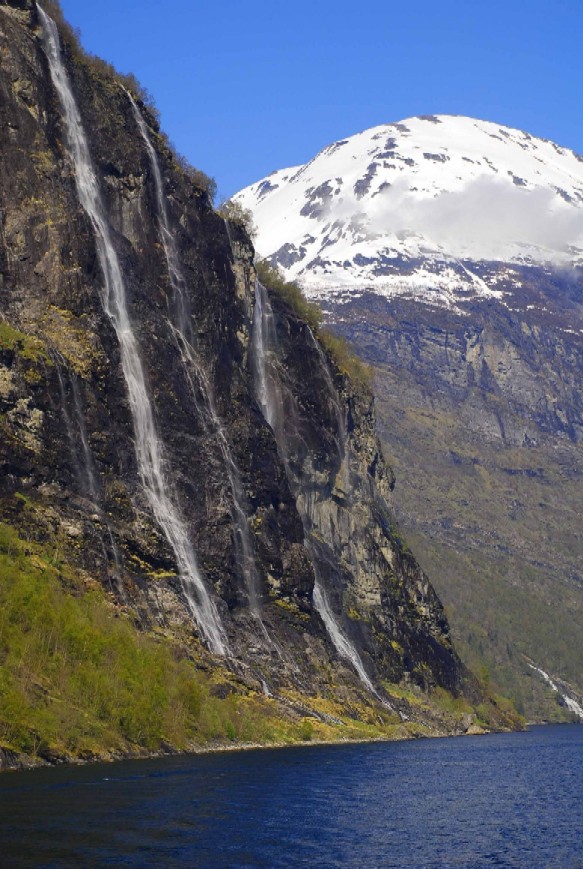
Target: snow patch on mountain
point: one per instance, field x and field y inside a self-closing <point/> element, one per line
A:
<point x="419" y="208"/>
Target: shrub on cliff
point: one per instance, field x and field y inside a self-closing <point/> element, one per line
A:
<point x="290" y="292"/>
<point x="234" y="212"/>
<point x="345" y="360"/>
<point x="359" y="373"/>
<point x="197" y="176"/>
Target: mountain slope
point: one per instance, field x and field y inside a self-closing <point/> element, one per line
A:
<point x="448" y="251"/>
<point x="175" y="567"/>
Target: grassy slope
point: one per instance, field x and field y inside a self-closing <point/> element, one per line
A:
<point x="499" y="532"/>
<point x="79" y="679"/>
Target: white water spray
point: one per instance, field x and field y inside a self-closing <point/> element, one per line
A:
<point x="342" y="644"/>
<point x="147" y="443"/>
<point x="269" y="390"/>
<point x="571" y="704"/>
<point x="196" y="375"/>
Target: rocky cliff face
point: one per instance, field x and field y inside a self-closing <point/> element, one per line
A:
<point x="327" y="440"/>
<point x="72" y="478"/>
<point x="511" y="368"/>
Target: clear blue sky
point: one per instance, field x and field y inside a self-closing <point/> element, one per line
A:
<point x="245" y="87"/>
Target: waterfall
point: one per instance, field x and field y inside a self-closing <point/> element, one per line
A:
<point x="148" y="447"/>
<point x="342" y="644"/>
<point x="228" y="231"/>
<point x="83" y="471"/>
<point x="569" y="702"/>
<point x="281" y="415"/>
<point x="197" y="378"/>
<point x="85" y="467"/>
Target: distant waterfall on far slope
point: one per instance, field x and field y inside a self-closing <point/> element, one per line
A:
<point x="148" y="446"/>
<point x="270" y="394"/>
<point x="182" y="333"/>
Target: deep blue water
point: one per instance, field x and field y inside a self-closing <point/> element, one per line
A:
<point x="502" y="800"/>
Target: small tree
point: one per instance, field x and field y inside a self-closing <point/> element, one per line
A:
<point x="234" y="212"/>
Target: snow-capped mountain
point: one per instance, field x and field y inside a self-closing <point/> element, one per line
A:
<point x="410" y="208"/>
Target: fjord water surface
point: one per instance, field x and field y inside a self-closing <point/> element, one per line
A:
<point x="511" y="800"/>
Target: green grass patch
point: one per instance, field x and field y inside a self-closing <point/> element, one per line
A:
<point x="27" y="346"/>
<point x="77" y="677"/>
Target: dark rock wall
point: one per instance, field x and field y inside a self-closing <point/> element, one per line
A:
<point x="68" y="471"/>
<point x="381" y="598"/>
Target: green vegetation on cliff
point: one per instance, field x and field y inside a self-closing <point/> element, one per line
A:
<point x="75" y="675"/>
<point x="345" y="360"/>
<point x="79" y="679"/>
<point x="28" y="347"/>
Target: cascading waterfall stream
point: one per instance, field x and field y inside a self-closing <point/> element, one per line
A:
<point x="569" y="702"/>
<point x="197" y="378"/>
<point x="147" y="443"/>
<point x="229" y="236"/>
<point x="269" y="391"/>
<point x="85" y="469"/>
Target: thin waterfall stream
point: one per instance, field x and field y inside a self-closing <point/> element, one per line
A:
<point x="84" y="465"/>
<point x="269" y="390"/>
<point x="148" y="446"/>
<point x="197" y="378"/>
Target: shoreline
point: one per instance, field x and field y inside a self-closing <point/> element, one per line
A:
<point x="26" y="763"/>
